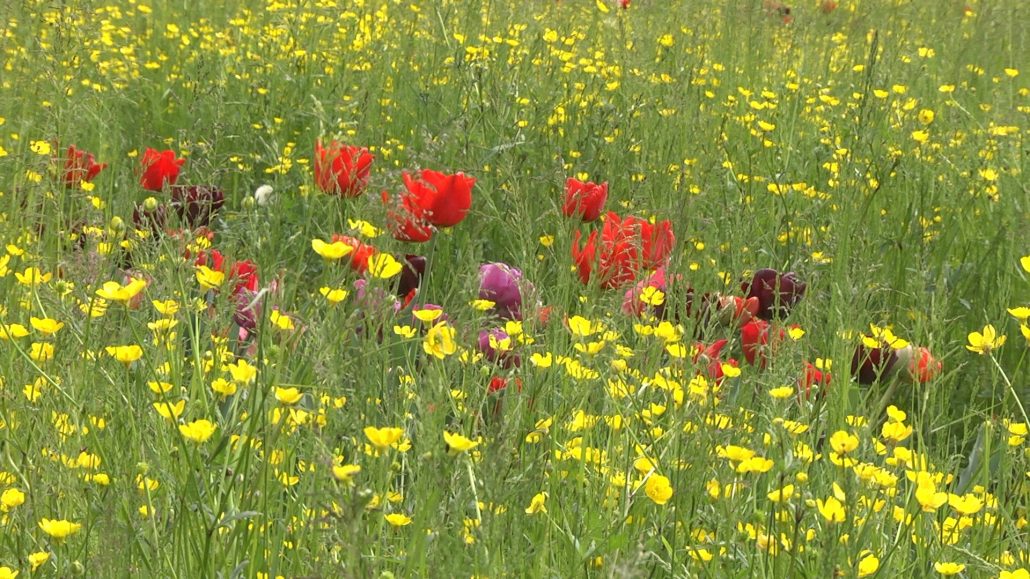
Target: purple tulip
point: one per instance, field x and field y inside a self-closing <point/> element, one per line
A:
<point x="777" y="293"/>
<point x="499" y="283"/>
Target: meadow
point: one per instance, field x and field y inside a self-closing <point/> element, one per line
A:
<point x="607" y="288"/>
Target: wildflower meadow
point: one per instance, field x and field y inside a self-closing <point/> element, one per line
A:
<point x="604" y="288"/>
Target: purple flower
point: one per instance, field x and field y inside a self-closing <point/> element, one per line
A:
<point x="777" y="293"/>
<point x="497" y="346"/>
<point x="499" y="283"/>
<point x="248" y="304"/>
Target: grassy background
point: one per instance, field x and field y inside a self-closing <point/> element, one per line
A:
<point x="663" y="101"/>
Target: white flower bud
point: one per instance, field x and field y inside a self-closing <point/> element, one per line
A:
<point x="263" y="195"/>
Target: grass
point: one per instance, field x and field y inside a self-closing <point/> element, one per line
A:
<point x="876" y="149"/>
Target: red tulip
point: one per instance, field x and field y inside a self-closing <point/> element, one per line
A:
<point x="626" y="246"/>
<point x="160" y="168"/>
<point x="342" y="169"/>
<point x="244" y="275"/>
<point x="585" y="200"/>
<point x="756" y="343"/>
<point x="80" y="166"/>
<point x="923" y="367"/>
<point x="405" y="219"/>
<point x="358" y="259"/>
<point x="813" y="377"/>
<point x="211" y="258"/>
<point x="444" y="199"/>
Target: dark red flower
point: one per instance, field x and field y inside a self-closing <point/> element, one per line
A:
<point x="342" y="169"/>
<point x="625" y="247"/>
<point x="160" y="168"/>
<point x="777" y="293"/>
<point x="584" y="200"/>
<point x="410" y="278"/>
<point x="80" y="166"/>
<point x="196" y="205"/>
<point x="444" y="199"/>
<point x="870" y="365"/>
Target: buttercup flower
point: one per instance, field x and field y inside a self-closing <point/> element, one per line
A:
<point x="59" y="528"/>
<point x="457" y="443"/>
<point x="198" y="431"/>
<point x="383" y="438"/>
<point x="985" y="342"/>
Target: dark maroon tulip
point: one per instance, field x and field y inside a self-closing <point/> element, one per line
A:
<point x="197" y="204"/>
<point x="150" y="216"/>
<point x="246" y="315"/>
<point x="872" y="364"/>
<point x="411" y="276"/>
<point x="504" y="358"/>
<point x="777" y="293"/>
<point x="499" y="283"/>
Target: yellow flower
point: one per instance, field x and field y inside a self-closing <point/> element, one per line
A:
<point x="11" y="331"/>
<point x="966" y="505"/>
<point x="331" y="251"/>
<point x="333" y="295"/>
<point x="41" y="351"/>
<point x="539" y="360"/>
<point x="536" y="504"/>
<point x="457" y="443"/>
<point x="658" y="489"/>
<point x="947" y="569"/>
<point x="37" y="559"/>
<point x="198" y="431"/>
<point x="159" y="387"/>
<point x="59" y="529"/>
<point x="384" y="266"/>
<point x="652" y="296"/>
<point x="169" y="410"/>
<point x="782" y="392"/>
<point x="427" y="315"/>
<point x="831" y="509"/>
<point x="10" y="499"/>
<point x="757" y="464"/>
<point x="439" y="341"/>
<point x="843" y="442"/>
<point x="582" y="327"/>
<point x="116" y="292"/>
<point x="32" y="276"/>
<point x="280" y="320"/>
<point x="7" y="573"/>
<point x="345" y="472"/>
<point x="46" y="325"/>
<point x="782" y="494"/>
<point x="223" y="387"/>
<point x="40" y="148"/>
<point x="868" y="564"/>
<point x="1025" y="262"/>
<point x="383" y="438"/>
<point x="404" y="331"/>
<point x="242" y="372"/>
<point x="1017" y="574"/>
<point x="983" y="343"/>
<point x="209" y="278"/>
<point x="125" y="354"/>
<point x="397" y="519"/>
<point x="166" y="307"/>
<point x="288" y="396"/>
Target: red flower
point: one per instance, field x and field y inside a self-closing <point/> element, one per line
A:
<point x="244" y="274"/>
<point x="626" y="246"/>
<point x="342" y="169"/>
<point x="159" y="168"/>
<point x="444" y="199"/>
<point x="585" y="200"/>
<point x="358" y="259"/>
<point x="813" y="377"/>
<point x="923" y="367"/>
<point x="405" y="219"/>
<point x="212" y="258"/>
<point x="80" y="166"/>
<point x="755" y="341"/>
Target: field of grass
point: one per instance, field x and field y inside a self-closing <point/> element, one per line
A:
<point x="311" y="288"/>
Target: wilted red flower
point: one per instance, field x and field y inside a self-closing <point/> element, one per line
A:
<point x="196" y="205"/>
<point x="777" y="293"/>
<point x="585" y="200"/>
<point x="443" y="199"/>
<point x="244" y="276"/>
<point x="159" y="168"/>
<point x="80" y="166"/>
<point x="625" y="247"/>
<point x="342" y="169"/>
